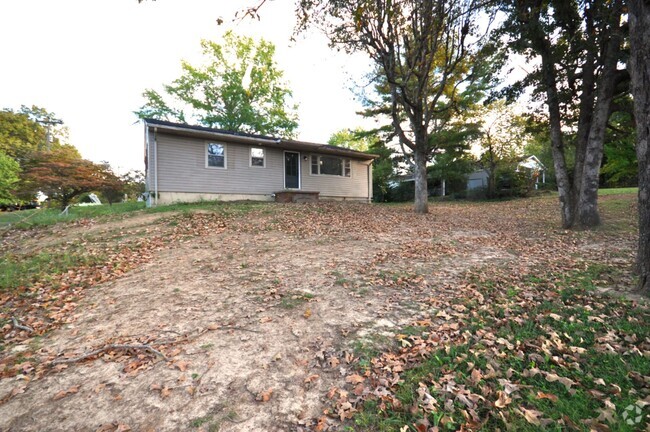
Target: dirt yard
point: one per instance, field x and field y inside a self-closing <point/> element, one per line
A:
<point x="252" y="320"/>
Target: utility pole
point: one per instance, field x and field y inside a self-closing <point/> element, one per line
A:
<point x="48" y="121"/>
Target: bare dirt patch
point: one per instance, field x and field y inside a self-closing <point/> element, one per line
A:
<point x="260" y="320"/>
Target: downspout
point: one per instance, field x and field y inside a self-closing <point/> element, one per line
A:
<point x="148" y="163"/>
<point x="369" y="169"/>
<point x="155" y="164"/>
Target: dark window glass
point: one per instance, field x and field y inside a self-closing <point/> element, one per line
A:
<point x="331" y="165"/>
<point x="216" y="155"/>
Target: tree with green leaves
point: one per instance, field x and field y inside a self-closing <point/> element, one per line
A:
<point x="369" y="141"/>
<point x="426" y="55"/>
<point x="502" y="141"/>
<point x="576" y="47"/>
<point x="24" y="132"/>
<point x="110" y="185"/>
<point x="355" y="139"/>
<point x="9" y="177"/>
<point x="134" y="183"/>
<point x="238" y="88"/>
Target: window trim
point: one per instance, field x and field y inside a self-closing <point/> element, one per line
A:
<point x="225" y="155"/>
<point x="250" y="157"/>
<point x="342" y="175"/>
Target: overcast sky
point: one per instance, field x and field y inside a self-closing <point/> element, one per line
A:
<point x="88" y="61"/>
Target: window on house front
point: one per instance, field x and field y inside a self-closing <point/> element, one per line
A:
<point x="330" y="165"/>
<point x="216" y="155"/>
<point x="257" y="157"/>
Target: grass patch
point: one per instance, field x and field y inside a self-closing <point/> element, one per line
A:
<point x="50" y="216"/>
<point x="293" y="300"/>
<point x="20" y="271"/>
<point x="618" y="191"/>
<point x="591" y="343"/>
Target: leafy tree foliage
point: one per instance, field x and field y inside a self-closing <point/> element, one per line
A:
<point x="23" y="133"/>
<point x="62" y="177"/>
<point x="424" y="59"/>
<point x="238" y="88"/>
<point x="502" y="141"/>
<point x="111" y="186"/>
<point x="383" y="170"/>
<point x="351" y="139"/>
<point x="9" y="177"/>
<point x="620" y="167"/>
<point x="133" y="183"/>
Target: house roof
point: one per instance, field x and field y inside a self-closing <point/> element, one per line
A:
<point x="252" y="139"/>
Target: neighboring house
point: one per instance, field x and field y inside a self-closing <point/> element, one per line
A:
<point x="191" y="163"/>
<point x="479" y="178"/>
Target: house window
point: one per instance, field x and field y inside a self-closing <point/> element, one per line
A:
<point x="257" y="157"/>
<point x="330" y="165"/>
<point x="216" y="155"/>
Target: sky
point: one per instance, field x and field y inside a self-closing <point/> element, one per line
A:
<point x="89" y="61"/>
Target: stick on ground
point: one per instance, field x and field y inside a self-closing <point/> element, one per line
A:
<point x="108" y="348"/>
<point x="17" y="325"/>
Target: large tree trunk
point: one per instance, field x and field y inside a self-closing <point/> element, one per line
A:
<point x="587" y="185"/>
<point x="420" y="178"/>
<point x="557" y="142"/>
<point x="587" y="98"/>
<point x="639" y="66"/>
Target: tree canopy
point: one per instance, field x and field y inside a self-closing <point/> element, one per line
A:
<point x="238" y="87"/>
<point x="426" y="56"/>
<point x="25" y="131"/>
<point x="9" y="177"/>
<point x="63" y="177"/>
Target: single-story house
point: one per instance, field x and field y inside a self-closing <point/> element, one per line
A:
<point x="186" y="163"/>
<point x="479" y="178"/>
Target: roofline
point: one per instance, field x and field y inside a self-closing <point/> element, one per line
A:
<point x="257" y="139"/>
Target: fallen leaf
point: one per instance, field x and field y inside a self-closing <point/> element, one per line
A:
<point x="476" y="376"/>
<point x="64" y="393"/>
<point x="503" y="399"/>
<point x="549" y="396"/>
<point x="531" y="416"/>
<point x="355" y="379"/>
<point x="311" y="378"/>
<point x="333" y="362"/>
<point x="265" y="396"/>
<point x="182" y="365"/>
<point x="165" y="392"/>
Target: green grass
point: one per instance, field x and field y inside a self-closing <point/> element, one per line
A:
<point x="618" y="191"/>
<point x="51" y="216"/>
<point x="19" y="270"/>
<point x="580" y="325"/>
<point x="295" y="299"/>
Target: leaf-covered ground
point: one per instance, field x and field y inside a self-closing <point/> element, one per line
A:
<point x="332" y="316"/>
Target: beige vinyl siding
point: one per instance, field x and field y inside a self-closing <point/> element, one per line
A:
<point x="355" y="186"/>
<point x="182" y="168"/>
<point x="150" y="179"/>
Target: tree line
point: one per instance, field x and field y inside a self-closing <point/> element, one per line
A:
<point x="34" y="158"/>
<point x="588" y="69"/>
